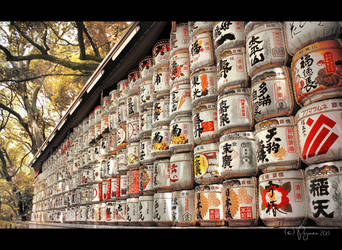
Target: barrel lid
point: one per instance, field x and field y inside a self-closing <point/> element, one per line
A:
<point x="270" y="73"/>
<point x="286" y="174"/>
<point x="203" y="69"/>
<point x="182" y="85"/>
<point x="238" y="91"/>
<point x="133" y="144"/>
<point x="162" y="160"/>
<point x="204" y="106"/>
<point x="240" y="182"/>
<point x="161" y="127"/>
<point x="182" y="118"/>
<point x="210" y="187"/>
<point x="237" y="135"/>
<point x="188" y="156"/>
<point x="331" y="44"/>
<point x="146" y="198"/>
<point x="206" y="147"/>
<point x="232" y="51"/>
<point x="274" y="122"/>
<point x="132" y="200"/>
<point x="183" y="193"/>
<point x="258" y="26"/>
<point x="325" y="168"/>
<point x="318" y="107"/>
<point x="166" y="195"/>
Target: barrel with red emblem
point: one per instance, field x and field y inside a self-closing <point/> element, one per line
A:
<point x="319" y="128"/>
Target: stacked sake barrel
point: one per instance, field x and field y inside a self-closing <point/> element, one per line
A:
<point x="237" y="146"/>
<point x="316" y="77"/>
<point x="280" y="184"/>
<point x="208" y="202"/>
<point x="207" y="130"/>
<point x="172" y="139"/>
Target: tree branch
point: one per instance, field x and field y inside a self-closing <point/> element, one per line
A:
<point x="18" y="116"/>
<point x="80" y="40"/>
<point x="93" y="45"/>
<point x="41" y="76"/>
<point x="83" y="56"/>
<point x="68" y="64"/>
<point x="4" y="171"/>
<point x="40" y="48"/>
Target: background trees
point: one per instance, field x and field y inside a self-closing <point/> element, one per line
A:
<point x="43" y="66"/>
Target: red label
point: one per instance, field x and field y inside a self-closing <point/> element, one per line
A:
<point x="100" y="191"/>
<point x="243" y="107"/>
<point x="214" y="214"/>
<point x="109" y="188"/>
<point x="173" y="173"/>
<point x="279" y="92"/>
<point x="290" y="140"/>
<point x="246" y="213"/>
<point x="329" y="62"/>
<point x="298" y="192"/>
<point x="207" y="126"/>
<point x="320" y="145"/>
<point x="118" y="186"/>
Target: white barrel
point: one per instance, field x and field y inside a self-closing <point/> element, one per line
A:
<point x="231" y="69"/>
<point x="180" y="99"/>
<point x="145" y="121"/>
<point x="228" y="34"/>
<point x="265" y="46"/>
<point x="209" y="205"/>
<point x="161" y="52"/>
<point x="299" y="34"/>
<point x="203" y="84"/>
<point x="206" y="164"/>
<point x="181" y="134"/>
<point x="132" y="210"/>
<point x="133" y="157"/>
<point x="160" y="115"/>
<point x="160" y="140"/>
<point x="324" y="195"/>
<point x="146" y="93"/>
<point x="162" y="214"/>
<point x="146" y="210"/>
<point x="181" y="171"/>
<point x="179" y="67"/>
<point x="161" y="175"/>
<point x="205" y="125"/>
<point x="145" y="148"/>
<point x="282" y="198"/>
<point x="319" y="128"/>
<point x="234" y="111"/>
<point x="271" y="93"/>
<point x="146" y="67"/>
<point x="179" y="37"/>
<point x="161" y="80"/>
<point x="146" y="179"/>
<point x="133" y="104"/>
<point x="277" y="144"/>
<point x="237" y="155"/>
<point x="201" y="50"/>
<point x="241" y="206"/>
<point x="183" y="208"/>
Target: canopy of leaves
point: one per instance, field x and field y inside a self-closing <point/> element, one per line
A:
<point x="43" y="66"/>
